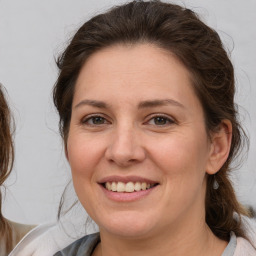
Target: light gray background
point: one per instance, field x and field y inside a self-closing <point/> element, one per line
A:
<point x="32" y="32"/>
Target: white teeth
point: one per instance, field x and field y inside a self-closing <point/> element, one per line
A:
<point x="137" y="186"/>
<point x="127" y="187"/>
<point x="120" y="187"/>
<point x="113" y="186"/>
<point x="143" y="185"/>
<point x="108" y="186"/>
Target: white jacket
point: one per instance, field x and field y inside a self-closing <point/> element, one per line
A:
<point x="47" y="239"/>
<point x="244" y="247"/>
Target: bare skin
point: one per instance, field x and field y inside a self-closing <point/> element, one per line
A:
<point x="208" y="245"/>
<point x="197" y="240"/>
<point x="136" y="118"/>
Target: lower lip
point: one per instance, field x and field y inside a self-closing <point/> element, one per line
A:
<point x="126" y="196"/>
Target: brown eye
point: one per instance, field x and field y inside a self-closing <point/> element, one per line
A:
<point x="160" y="121"/>
<point x="95" y="120"/>
<point x="98" y="120"/>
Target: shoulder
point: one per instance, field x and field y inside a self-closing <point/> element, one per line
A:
<point x="244" y="248"/>
<point x="19" y="230"/>
<point x="45" y="240"/>
<point x="82" y="247"/>
<point x="247" y="247"/>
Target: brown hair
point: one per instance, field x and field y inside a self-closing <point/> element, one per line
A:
<point x="6" y="163"/>
<point x="179" y="31"/>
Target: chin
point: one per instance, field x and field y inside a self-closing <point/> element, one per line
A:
<point x="127" y="225"/>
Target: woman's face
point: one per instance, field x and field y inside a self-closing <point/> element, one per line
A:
<point x="137" y="144"/>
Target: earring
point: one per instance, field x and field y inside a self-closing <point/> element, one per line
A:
<point x="215" y="184"/>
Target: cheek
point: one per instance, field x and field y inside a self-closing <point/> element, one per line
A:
<point x="83" y="158"/>
<point x="182" y="163"/>
<point x="180" y="151"/>
<point x="83" y="154"/>
<point x="182" y="159"/>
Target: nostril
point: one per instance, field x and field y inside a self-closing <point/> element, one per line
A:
<point x="125" y="156"/>
<point x="133" y="160"/>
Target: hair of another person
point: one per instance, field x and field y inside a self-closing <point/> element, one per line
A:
<point x="179" y="31"/>
<point x="6" y="163"/>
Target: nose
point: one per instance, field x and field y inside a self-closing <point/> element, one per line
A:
<point x="125" y="147"/>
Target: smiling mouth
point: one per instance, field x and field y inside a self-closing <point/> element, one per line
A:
<point x="128" y="187"/>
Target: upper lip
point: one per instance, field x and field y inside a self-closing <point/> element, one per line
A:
<point x="125" y="179"/>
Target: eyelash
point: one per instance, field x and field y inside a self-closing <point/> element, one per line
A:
<point x="93" y="117"/>
<point x="166" y="119"/>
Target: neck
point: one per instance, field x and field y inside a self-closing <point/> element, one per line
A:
<point x="198" y="241"/>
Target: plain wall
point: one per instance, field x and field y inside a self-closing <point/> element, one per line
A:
<point x="32" y="32"/>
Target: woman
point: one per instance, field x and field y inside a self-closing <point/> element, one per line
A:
<point x="10" y="232"/>
<point x="145" y="96"/>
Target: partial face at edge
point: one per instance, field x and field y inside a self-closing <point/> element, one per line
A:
<point x="135" y="118"/>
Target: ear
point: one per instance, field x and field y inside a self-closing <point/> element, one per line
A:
<point x="220" y="147"/>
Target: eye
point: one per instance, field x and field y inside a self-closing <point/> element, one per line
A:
<point x="95" y="120"/>
<point x="160" y="121"/>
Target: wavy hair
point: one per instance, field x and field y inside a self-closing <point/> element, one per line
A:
<point x="180" y="31"/>
<point x="6" y="163"/>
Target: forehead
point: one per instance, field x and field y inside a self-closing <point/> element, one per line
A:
<point x="140" y="71"/>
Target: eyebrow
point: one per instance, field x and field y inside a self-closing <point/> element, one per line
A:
<point x="93" y="103"/>
<point x="143" y="104"/>
<point x="159" y="102"/>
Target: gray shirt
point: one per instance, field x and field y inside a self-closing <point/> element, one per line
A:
<point x="86" y="245"/>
